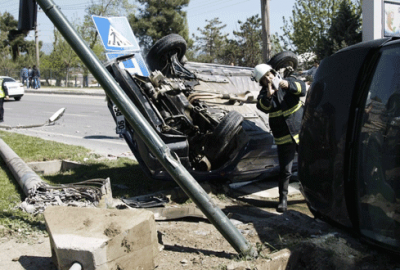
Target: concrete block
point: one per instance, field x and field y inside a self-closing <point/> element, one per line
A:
<point x="277" y="261"/>
<point x="46" y="167"/>
<point x="102" y="239"/>
<point x="53" y="166"/>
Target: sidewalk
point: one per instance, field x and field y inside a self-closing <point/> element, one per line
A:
<point x="67" y="91"/>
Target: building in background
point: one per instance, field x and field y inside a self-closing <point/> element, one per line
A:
<point x="381" y="18"/>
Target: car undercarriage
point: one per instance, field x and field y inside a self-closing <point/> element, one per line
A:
<point x="205" y="113"/>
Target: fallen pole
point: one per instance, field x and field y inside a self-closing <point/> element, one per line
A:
<point x="169" y="160"/>
<point x="27" y="179"/>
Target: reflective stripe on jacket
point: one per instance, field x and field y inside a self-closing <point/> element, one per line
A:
<point x="2" y="93"/>
<point x="285" y="110"/>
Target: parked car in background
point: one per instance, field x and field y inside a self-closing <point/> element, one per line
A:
<point x="349" y="155"/>
<point x="15" y="89"/>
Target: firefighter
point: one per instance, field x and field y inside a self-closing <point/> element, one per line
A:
<point x="3" y="94"/>
<point x="280" y="98"/>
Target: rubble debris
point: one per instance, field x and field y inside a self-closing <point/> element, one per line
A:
<point x="146" y="201"/>
<point x="82" y="194"/>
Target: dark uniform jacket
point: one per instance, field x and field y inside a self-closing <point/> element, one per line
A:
<point x="285" y="110"/>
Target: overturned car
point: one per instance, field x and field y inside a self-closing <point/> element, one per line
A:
<point x="205" y="113"/>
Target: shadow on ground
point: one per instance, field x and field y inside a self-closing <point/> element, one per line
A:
<point x="37" y="263"/>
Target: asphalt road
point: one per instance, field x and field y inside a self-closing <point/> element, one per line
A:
<point x="86" y="122"/>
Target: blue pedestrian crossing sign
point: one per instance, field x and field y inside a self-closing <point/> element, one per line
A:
<point x="116" y="33"/>
<point x="135" y="65"/>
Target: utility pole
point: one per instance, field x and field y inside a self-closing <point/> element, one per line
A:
<point x="265" y="30"/>
<point x="37" y="44"/>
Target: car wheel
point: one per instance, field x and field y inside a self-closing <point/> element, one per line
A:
<point x="284" y="59"/>
<point x="17" y="98"/>
<point x="164" y="48"/>
<point x="218" y="143"/>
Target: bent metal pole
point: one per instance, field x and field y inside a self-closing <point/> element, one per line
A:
<point x="169" y="161"/>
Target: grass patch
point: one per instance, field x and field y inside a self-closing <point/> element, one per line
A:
<point x="127" y="177"/>
<point x="35" y="149"/>
<point x="127" y="180"/>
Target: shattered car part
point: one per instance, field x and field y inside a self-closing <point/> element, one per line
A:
<point x="146" y="201"/>
<point x="205" y="113"/>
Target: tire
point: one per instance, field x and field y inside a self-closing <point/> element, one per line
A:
<point x="159" y="53"/>
<point x="218" y="143"/>
<point x="284" y="59"/>
<point x="17" y="98"/>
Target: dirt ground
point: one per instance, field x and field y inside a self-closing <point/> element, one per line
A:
<point x="193" y="243"/>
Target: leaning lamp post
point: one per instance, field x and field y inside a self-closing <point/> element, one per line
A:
<point x="169" y="161"/>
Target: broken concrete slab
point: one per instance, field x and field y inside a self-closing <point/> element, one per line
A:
<point x="277" y="261"/>
<point x="53" y="166"/>
<point x="102" y="238"/>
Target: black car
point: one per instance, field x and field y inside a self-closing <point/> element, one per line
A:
<point x="205" y="113"/>
<point x="349" y="155"/>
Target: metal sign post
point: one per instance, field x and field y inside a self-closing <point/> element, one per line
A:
<point x="169" y="161"/>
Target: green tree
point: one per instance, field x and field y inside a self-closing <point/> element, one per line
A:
<point x="5" y="50"/>
<point x="276" y="46"/>
<point x="249" y="42"/>
<point x="344" y="31"/>
<point x="15" y="51"/>
<point x="157" y="19"/>
<point x="11" y="38"/>
<point x="61" y="60"/>
<point x="211" y="43"/>
<point x="231" y="53"/>
<point x="310" y="21"/>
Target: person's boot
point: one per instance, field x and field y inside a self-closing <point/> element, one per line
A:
<point x="282" y="206"/>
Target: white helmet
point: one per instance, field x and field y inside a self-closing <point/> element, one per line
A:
<point x="260" y="70"/>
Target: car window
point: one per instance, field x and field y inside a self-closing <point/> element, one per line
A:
<point x="379" y="153"/>
<point x="8" y="80"/>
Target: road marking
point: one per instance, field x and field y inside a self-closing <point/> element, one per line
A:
<point x="72" y="95"/>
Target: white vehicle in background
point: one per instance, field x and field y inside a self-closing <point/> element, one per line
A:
<point x="15" y="89"/>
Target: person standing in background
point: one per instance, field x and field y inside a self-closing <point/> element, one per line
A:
<point x="30" y="73"/>
<point x="24" y="75"/>
<point x="36" y="77"/>
<point x="3" y="95"/>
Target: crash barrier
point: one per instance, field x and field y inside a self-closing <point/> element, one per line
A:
<point x="168" y="159"/>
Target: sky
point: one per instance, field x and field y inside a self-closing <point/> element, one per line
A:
<point x="229" y="12"/>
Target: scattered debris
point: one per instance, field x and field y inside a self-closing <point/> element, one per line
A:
<point x="82" y="194"/>
<point x="146" y="201"/>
